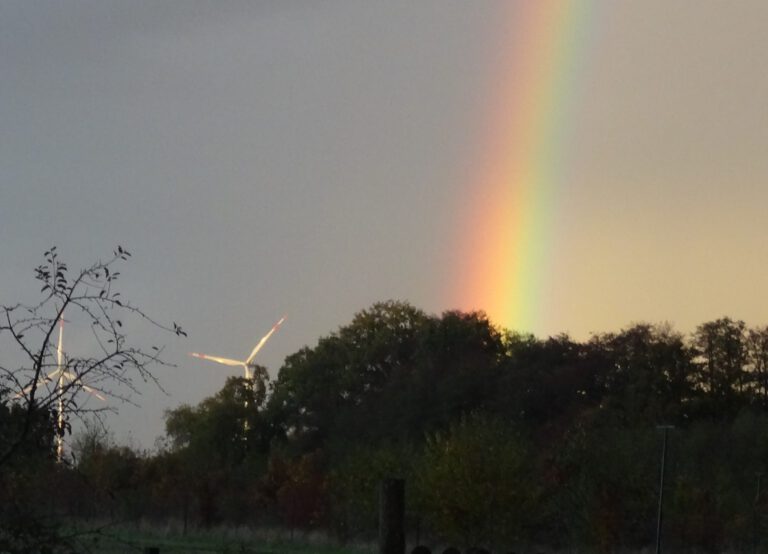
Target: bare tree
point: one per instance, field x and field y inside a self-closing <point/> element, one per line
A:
<point x="113" y="369"/>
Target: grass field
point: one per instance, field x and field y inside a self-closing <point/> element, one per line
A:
<point x="134" y="539"/>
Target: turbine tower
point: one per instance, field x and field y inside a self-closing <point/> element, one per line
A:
<point x="60" y="376"/>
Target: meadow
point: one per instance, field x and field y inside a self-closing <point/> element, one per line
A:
<point x="130" y="539"/>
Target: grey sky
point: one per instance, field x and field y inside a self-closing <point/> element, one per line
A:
<point x="310" y="158"/>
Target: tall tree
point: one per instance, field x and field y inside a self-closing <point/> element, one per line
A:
<point x="721" y="355"/>
<point x="648" y="374"/>
<point x="329" y="389"/>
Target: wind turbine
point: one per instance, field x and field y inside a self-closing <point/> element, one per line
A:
<point x="60" y="375"/>
<point x="245" y="364"/>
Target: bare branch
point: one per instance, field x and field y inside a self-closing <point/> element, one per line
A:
<point x="44" y="387"/>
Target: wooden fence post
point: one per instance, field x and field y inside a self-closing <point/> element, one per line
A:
<point x="392" y="516"/>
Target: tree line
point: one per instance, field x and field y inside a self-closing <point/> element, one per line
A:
<point x="504" y="439"/>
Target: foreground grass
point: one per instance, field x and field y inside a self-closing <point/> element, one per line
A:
<point x="125" y="540"/>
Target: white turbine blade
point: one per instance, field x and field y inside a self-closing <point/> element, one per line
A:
<point x="52" y="375"/>
<point x="44" y="379"/>
<point x="225" y="361"/>
<point x="75" y="379"/>
<point x="263" y="340"/>
<point x="94" y="392"/>
<point x="29" y="388"/>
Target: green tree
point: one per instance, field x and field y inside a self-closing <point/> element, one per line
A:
<point x="300" y="490"/>
<point x="456" y="373"/>
<point x="648" y="374"/>
<point x="223" y="428"/>
<point x="547" y="382"/>
<point x="354" y="480"/>
<point x="328" y="390"/>
<point x="607" y="484"/>
<point x="218" y="444"/>
<point x="471" y="483"/>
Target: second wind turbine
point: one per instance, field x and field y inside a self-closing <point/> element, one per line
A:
<point x="246" y="364"/>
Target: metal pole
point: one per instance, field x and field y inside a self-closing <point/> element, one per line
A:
<point x="666" y="429"/>
<point x="755" y="522"/>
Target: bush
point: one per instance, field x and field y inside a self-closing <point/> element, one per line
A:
<point x="470" y="482"/>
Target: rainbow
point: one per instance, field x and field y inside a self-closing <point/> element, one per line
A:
<point x="513" y="196"/>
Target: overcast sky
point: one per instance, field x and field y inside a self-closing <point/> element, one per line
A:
<point x="309" y="158"/>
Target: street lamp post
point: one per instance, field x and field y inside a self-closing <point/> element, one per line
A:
<point x="666" y="429"/>
<point x="755" y="520"/>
